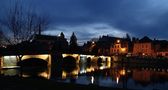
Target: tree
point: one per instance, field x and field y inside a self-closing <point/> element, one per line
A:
<point x="73" y="39"/>
<point x="22" y="23"/>
<point x="62" y="36"/>
<point x="1" y="38"/>
<point x="128" y="37"/>
<point x="73" y="47"/>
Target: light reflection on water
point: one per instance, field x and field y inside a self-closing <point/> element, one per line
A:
<point x="106" y="74"/>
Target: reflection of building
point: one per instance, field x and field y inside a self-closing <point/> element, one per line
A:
<point x="148" y="76"/>
<point x="142" y="76"/>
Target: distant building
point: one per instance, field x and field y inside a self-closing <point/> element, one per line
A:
<point x="143" y="47"/>
<point x="119" y="47"/>
<point x="58" y="43"/>
<point x="104" y="43"/>
<point x="107" y="45"/>
<point x="162" y="54"/>
<point x="161" y="48"/>
<point x="89" y="47"/>
<point x="150" y="48"/>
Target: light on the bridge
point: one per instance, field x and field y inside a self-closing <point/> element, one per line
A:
<point x="83" y="55"/>
<point x="91" y="56"/>
<point x="9" y="57"/>
<point x="73" y="55"/>
<point x="42" y="56"/>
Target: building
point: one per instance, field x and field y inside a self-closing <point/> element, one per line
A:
<point x="150" y="48"/>
<point x="162" y="54"/>
<point x="107" y="45"/>
<point x="143" y="47"/>
<point x="104" y="43"/>
<point x="120" y="46"/>
<point x="161" y="48"/>
<point x="58" y="43"/>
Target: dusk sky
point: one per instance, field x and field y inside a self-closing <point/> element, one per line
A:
<point x="94" y="18"/>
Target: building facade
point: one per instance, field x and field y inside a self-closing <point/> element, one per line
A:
<point x="144" y="47"/>
<point x="119" y="47"/>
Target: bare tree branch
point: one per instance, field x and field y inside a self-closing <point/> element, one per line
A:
<point x="23" y="24"/>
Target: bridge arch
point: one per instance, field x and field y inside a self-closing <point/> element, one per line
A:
<point x="33" y="62"/>
<point x="10" y="61"/>
<point x="75" y="56"/>
<point x="45" y="57"/>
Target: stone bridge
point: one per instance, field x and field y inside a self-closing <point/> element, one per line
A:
<point x="83" y="58"/>
<point x="11" y="60"/>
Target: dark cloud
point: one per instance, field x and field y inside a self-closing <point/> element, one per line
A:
<point x="114" y="17"/>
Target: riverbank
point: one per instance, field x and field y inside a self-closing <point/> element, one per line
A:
<point x="16" y="83"/>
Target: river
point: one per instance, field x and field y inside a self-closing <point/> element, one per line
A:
<point x="107" y="73"/>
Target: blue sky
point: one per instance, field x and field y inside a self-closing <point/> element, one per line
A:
<point x="94" y="18"/>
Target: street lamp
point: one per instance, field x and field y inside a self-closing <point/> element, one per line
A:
<point x="118" y="41"/>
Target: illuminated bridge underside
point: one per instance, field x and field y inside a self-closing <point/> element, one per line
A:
<point x="11" y="61"/>
<point x="93" y="58"/>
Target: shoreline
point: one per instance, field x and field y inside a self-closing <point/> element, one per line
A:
<point x="17" y="83"/>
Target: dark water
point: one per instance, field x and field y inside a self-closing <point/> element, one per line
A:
<point x="104" y="74"/>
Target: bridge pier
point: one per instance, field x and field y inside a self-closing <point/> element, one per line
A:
<point x="56" y="63"/>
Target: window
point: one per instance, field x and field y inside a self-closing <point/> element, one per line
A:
<point x="166" y="54"/>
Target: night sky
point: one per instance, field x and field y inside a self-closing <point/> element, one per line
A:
<point x="94" y="18"/>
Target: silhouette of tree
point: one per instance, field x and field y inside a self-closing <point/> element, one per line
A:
<point x="62" y="36"/>
<point x="22" y="23"/>
<point x="1" y="37"/>
<point x="128" y="37"/>
<point x="73" y="47"/>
